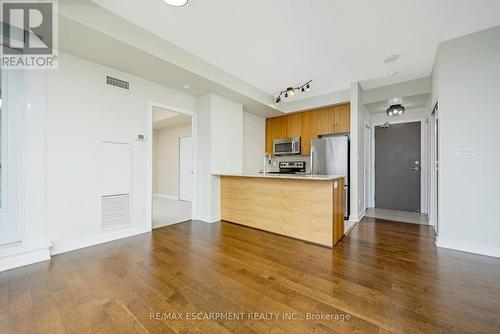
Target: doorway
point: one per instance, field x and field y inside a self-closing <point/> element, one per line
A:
<point x="172" y="167"/>
<point x="397" y="161"/>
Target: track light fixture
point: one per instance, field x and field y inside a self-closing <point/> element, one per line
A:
<point x="290" y="91"/>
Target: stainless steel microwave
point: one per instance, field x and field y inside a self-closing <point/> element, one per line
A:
<point x="286" y="146"/>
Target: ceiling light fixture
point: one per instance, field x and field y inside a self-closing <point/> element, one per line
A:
<point x="290" y="91"/>
<point x="395" y="110"/>
<point x="176" y="3"/>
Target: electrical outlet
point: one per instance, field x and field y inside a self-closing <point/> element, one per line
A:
<point x="142" y="211"/>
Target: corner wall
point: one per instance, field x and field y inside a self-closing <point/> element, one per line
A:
<point x="82" y="111"/>
<point x="468" y="79"/>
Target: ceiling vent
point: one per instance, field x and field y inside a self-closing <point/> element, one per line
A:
<point x="118" y="83"/>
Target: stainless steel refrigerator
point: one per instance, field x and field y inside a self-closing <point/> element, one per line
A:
<point x="330" y="156"/>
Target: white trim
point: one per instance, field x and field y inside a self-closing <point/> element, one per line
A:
<point x="103" y="237"/>
<point x="367" y="165"/>
<point x="358" y="218"/>
<point x="165" y="196"/>
<point x="348" y="226"/>
<point x="149" y="184"/>
<point x="208" y="219"/>
<point x="468" y="247"/>
<point x="361" y="215"/>
<point x="423" y="159"/>
<point x="20" y="256"/>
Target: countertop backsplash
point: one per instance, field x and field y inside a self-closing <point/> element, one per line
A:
<point x="274" y="167"/>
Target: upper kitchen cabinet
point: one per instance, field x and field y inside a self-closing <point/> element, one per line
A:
<point x="326" y="120"/>
<point x="308" y="125"/>
<point x="276" y="128"/>
<point x="308" y="130"/>
<point x="292" y="125"/>
<point x="342" y="118"/>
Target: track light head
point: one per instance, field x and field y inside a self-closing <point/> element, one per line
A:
<point x="278" y="100"/>
<point x="308" y="87"/>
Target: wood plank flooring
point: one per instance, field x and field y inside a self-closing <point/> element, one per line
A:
<point x="384" y="277"/>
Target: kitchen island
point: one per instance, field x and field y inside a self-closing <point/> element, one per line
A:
<point x="305" y="207"/>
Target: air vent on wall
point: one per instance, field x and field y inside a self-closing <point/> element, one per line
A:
<point x="117" y="82"/>
<point x="115" y="211"/>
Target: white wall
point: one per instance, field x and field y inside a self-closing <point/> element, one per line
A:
<point x="220" y="150"/>
<point x="469" y="116"/>
<point x="82" y="112"/>
<point x="226" y="136"/>
<point x="166" y="158"/>
<point x="254" y="141"/>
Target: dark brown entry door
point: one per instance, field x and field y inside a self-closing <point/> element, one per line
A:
<point x="398" y="167"/>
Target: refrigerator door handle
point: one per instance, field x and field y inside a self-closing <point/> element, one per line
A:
<point x="312" y="160"/>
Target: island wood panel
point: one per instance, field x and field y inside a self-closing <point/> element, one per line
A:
<point x="338" y="212"/>
<point x="302" y="209"/>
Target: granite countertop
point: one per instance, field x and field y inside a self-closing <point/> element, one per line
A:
<point x="289" y="176"/>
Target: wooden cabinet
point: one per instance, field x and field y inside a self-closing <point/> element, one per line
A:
<point x="308" y="130"/>
<point x="342" y="118"/>
<point x="308" y="125"/>
<point x="326" y="121"/>
<point x="292" y="125"/>
<point x="276" y="128"/>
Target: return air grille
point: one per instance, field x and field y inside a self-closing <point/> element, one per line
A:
<point x="117" y="83"/>
<point x="115" y="211"/>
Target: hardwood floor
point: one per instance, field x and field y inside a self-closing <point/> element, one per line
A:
<point x="387" y="277"/>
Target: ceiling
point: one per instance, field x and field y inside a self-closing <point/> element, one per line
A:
<point x="163" y="118"/>
<point x="275" y="44"/>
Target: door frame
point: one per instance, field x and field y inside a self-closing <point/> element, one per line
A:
<point x="423" y="160"/>
<point x="179" y="145"/>
<point x="433" y="165"/>
<point x="194" y="135"/>
<point x="367" y="165"/>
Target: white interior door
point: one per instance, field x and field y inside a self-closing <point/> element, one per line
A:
<point x="186" y="169"/>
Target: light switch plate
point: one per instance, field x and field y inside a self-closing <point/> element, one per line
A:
<point x="464" y="153"/>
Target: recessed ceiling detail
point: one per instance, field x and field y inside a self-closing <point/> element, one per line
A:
<point x="337" y="42"/>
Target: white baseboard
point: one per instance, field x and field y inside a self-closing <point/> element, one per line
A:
<point x="165" y="196"/>
<point x="348" y="226"/>
<point x="209" y="219"/>
<point x="468" y="247"/>
<point x="361" y="215"/>
<point x="357" y="219"/>
<point x="23" y="255"/>
<point x="105" y="236"/>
